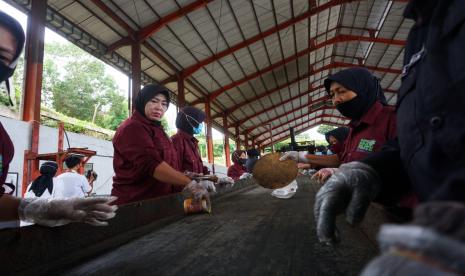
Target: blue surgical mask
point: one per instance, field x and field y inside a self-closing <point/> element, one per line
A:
<point x="198" y="129"/>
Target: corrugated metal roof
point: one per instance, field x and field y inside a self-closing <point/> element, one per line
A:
<point x="271" y="55"/>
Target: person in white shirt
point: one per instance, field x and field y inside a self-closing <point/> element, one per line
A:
<point x="71" y="184"/>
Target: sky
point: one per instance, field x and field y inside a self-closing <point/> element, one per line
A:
<point x="120" y="78"/>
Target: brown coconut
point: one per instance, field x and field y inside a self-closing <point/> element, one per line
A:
<point x="271" y="173"/>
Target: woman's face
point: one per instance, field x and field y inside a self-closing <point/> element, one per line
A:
<point x="243" y="155"/>
<point x="156" y="107"/>
<point x="332" y="140"/>
<point x="339" y="94"/>
<point x="7" y="47"/>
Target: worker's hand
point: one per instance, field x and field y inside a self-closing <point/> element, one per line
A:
<point x="304" y="166"/>
<point x="322" y="175"/>
<point x="208" y="185"/>
<point x="197" y="190"/>
<point x="225" y="181"/>
<point x="246" y="176"/>
<point x="56" y="212"/>
<point x="298" y="156"/>
<point x="350" y="189"/>
<point x="192" y="175"/>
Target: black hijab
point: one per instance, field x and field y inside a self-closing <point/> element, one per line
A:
<point x="188" y="118"/>
<point x="147" y="93"/>
<point x="364" y="84"/>
<point x="45" y="180"/>
<point x="7" y="70"/>
<point x="339" y="133"/>
<point x="236" y="157"/>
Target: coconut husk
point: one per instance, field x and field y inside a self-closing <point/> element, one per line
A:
<point x="271" y="173"/>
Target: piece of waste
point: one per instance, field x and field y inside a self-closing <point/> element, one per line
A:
<point x="286" y="192"/>
<point x="193" y="207"/>
<point x="271" y="173"/>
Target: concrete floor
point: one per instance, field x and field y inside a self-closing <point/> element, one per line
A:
<point x="248" y="233"/>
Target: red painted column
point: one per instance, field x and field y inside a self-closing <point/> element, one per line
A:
<point x="246" y="141"/>
<point x="208" y="122"/>
<point x="226" y="142"/>
<point x="181" y="94"/>
<point x="135" y="73"/>
<point x="30" y="109"/>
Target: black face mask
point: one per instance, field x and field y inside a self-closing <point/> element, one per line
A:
<point x="242" y="161"/>
<point x="353" y="109"/>
<point x="5" y="73"/>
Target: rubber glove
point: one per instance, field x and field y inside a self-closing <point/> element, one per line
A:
<point x="225" y="181"/>
<point x="350" y="189"/>
<point x="197" y="190"/>
<point x="56" y="212"/>
<point x="298" y="156"/>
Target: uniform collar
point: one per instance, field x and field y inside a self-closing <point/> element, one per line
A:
<point x="187" y="136"/>
<point x="370" y="116"/>
<point x="139" y="117"/>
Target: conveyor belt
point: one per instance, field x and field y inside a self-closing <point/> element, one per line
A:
<point x="249" y="232"/>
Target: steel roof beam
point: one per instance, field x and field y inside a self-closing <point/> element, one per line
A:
<point x="152" y="28"/>
<point x="298" y="125"/>
<point x="294" y="119"/>
<point x="336" y="39"/>
<point x="278" y="105"/>
<point x="190" y="70"/>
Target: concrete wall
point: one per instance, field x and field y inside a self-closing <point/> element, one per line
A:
<point x="20" y="133"/>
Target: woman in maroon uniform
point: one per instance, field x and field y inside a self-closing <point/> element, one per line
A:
<point x="145" y="160"/>
<point x="239" y="158"/>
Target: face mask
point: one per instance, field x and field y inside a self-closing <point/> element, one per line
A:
<point x="5" y="73"/>
<point x="198" y="129"/>
<point x="242" y="161"/>
<point x="195" y="130"/>
<point x="352" y="109"/>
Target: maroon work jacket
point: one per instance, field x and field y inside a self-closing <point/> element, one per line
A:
<point x="235" y="171"/>
<point x="369" y="134"/>
<point x="139" y="147"/>
<point x="187" y="147"/>
<point x="7" y="151"/>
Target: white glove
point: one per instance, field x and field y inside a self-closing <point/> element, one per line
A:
<point x="298" y="156"/>
<point x="208" y="185"/>
<point x="246" y="176"/>
<point x="225" y="181"/>
<point x="56" y="212"/>
<point x="198" y="190"/>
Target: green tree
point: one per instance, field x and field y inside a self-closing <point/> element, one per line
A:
<point x="82" y="90"/>
<point x="322" y="129"/>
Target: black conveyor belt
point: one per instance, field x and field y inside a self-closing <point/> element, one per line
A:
<point x="248" y="232"/>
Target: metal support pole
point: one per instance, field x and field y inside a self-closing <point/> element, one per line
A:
<point x="208" y="121"/>
<point x="181" y="95"/>
<point x="135" y="73"/>
<point x="226" y="141"/>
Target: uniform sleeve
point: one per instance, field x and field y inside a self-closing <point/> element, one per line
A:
<point x="234" y="173"/>
<point x="136" y="145"/>
<point x="180" y="148"/>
